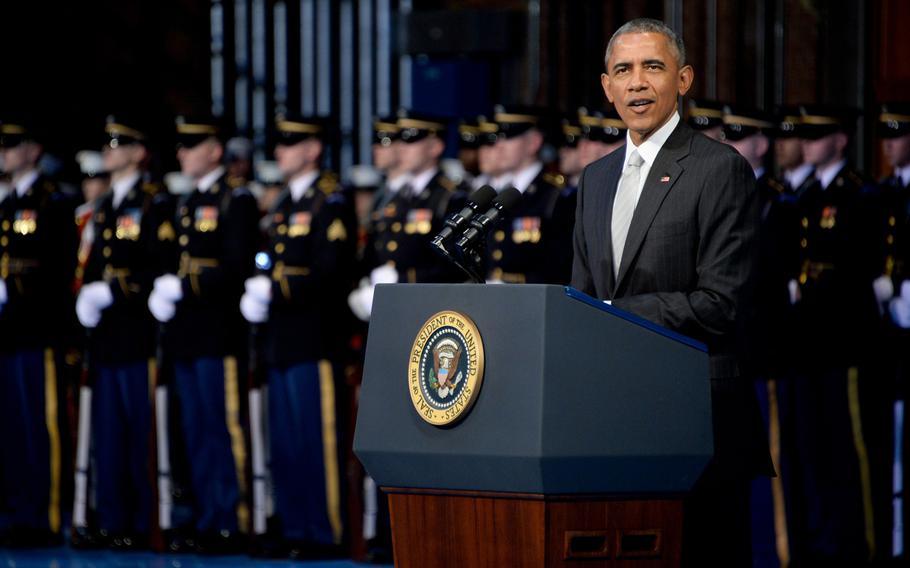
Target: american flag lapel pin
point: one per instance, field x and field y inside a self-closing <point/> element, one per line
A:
<point x="665" y="179"/>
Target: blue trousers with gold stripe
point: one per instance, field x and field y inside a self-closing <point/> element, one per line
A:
<point x="31" y="440"/>
<point x="122" y="423"/>
<point x="209" y="399"/>
<point x="304" y="451"/>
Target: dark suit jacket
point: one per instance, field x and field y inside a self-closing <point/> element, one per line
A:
<point x="687" y="265"/>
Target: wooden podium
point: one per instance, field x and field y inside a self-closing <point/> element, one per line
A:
<point x="589" y="428"/>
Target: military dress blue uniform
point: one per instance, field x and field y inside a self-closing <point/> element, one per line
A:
<point x="403" y="224"/>
<point x="131" y="246"/>
<point x="534" y="243"/>
<point x="37" y="260"/>
<point x="217" y="239"/>
<point x="311" y="242"/>
<point x="836" y="325"/>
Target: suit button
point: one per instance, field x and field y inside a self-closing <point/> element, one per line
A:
<point x="396" y="227"/>
<point x="6" y="225"/>
<point x="279" y="248"/>
<point x="107" y="234"/>
<point x="805" y="222"/>
<point x="392" y="246"/>
<point x="804" y="243"/>
<point x="106" y="252"/>
<point x="892" y="221"/>
<point x="499" y="236"/>
<point x="4" y="240"/>
<point x="282" y="229"/>
<point x="185" y="221"/>
<point x="497" y="255"/>
<point x="183" y="240"/>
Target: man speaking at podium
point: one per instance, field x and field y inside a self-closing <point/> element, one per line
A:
<point x="665" y="229"/>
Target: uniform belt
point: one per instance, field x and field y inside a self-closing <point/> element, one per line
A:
<point x="111" y="273"/>
<point x="11" y="266"/>
<point x="194" y="265"/>
<point x="814" y="270"/>
<point x="281" y="270"/>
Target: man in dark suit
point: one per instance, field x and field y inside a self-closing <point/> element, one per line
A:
<point x="665" y="228"/>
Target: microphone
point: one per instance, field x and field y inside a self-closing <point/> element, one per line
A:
<point x="456" y="222"/>
<point x="481" y="225"/>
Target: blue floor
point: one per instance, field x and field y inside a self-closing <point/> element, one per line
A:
<point x="67" y="558"/>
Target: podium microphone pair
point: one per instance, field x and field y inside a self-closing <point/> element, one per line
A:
<point x="469" y="228"/>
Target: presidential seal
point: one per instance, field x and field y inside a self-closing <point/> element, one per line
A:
<point x="445" y="369"/>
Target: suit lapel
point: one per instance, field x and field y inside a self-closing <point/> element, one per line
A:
<point x="655" y="190"/>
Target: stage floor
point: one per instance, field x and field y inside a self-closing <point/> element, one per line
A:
<point x="66" y="558"/>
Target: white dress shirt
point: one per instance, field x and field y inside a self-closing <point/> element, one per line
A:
<point x="648" y="150"/>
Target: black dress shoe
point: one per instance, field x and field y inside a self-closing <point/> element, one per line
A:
<point x="179" y="541"/>
<point x="86" y="538"/>
<point x="129" y="542"/>
<point x="303" y="550"/>
<point x="221" y="543"/>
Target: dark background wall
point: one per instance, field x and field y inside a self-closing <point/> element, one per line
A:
<point x="69" y="64"/>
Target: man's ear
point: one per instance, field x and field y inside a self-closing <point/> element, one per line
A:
<point x="686" y="77"/>
<point x="437" y="148"/>
<point x="605" y="83"/>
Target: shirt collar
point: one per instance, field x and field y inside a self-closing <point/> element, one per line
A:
<point x="827" y="175"/>
<point x="301" y="183"/>
<point x="396" y="183"/>
<point x="206" y="182"/>
<point x="122" y="186"/>
<point x="524" y="177"/>
<point x="904" y="175"/>
<point x="798" y="175"/>
<point x="649" y="149"/>
<point x="499" y="183"/>
<point x="759" y="171"/>
<point x="25" y="182"/>
<point x="420" y="181"/>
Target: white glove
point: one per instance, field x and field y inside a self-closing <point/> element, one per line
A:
<point x="883" y="288"/>
<point x="259" y="288"/>
<point x="385" y="274"/>
<point x="162" y="309"/>
<point x="169" y="287"/>
<point x="361" y="302"/>
<point x="494" y="281"/>
<point x="900" y="311"/>
<point x="93" y="298"/>
<point x="4" y="297"/>
<point x="793" y="289"/>
<point x="253" y="310"/>
<point x="905" y="290"/>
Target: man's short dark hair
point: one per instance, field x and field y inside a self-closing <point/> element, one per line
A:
<point x="645" y="26"/>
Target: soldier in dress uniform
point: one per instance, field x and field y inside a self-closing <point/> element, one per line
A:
<point x="835" y="397"/>
<point x="534" y="244"/>
<point x="892" y="289"/>
<point x="132" y="239"/>
<point x="570" y="136"/>
<point x="706" y="116"/>
<point x="602" y="132"/>
<point x="796" y="173"/>
<point x="299" y="301"/>
<point x="489" y="165"/>
<point x="770" y="346"/>
<point x="37" y="259"/>
<point x="398" y="245"/>
<point x="216" y="228"/>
